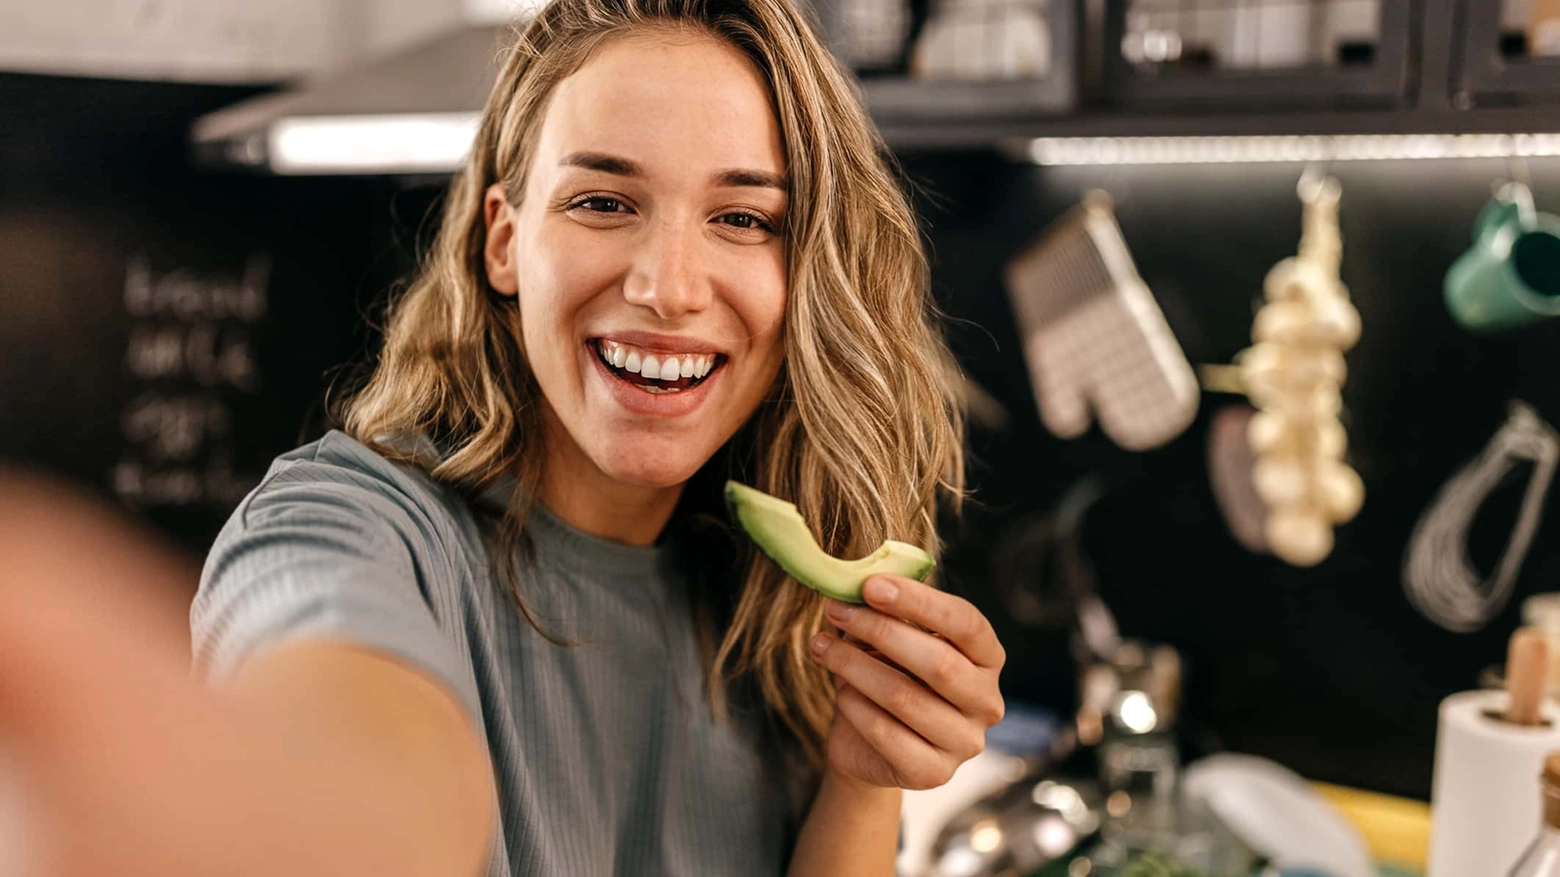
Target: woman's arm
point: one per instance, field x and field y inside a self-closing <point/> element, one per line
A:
<point x="410" y="739"/>
<point x="917" y="689"/>
<point x="318" y="759"/>
<point x="852" y="829"/>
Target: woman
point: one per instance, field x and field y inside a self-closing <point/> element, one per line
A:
<point x="500" y="614"/>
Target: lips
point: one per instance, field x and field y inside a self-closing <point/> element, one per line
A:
<point x="656" y="371"/>
<point x="656" y="375"/>
<point x="655" y="363"/>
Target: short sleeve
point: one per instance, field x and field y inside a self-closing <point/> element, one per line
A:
<point x="323" y="552"/>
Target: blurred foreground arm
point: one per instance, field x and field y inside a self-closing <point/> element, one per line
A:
<point x="316" y="759"/>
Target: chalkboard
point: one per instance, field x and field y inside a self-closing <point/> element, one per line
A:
<point x="165" y="333"/>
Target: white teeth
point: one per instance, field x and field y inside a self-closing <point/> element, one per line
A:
<point x="670" y="368"/>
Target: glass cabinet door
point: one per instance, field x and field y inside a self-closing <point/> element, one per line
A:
<point x="931" y="61"/>
<point x="1509" y="53"/>
<point x="1243" y="52"/>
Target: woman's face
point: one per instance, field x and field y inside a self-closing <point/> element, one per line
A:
<point x="646" y="256"/>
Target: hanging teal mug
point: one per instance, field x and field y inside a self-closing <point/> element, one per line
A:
<point x="1511" y="275"/>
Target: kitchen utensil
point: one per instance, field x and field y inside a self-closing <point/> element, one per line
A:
<point x="1230" y="461"/>
<point x="1437" y="575"/>
<point x="1096" y="343"/>
<point x="1026" y="742"/>
<point x="1278" y="814"/>
<point x="1045" y="580"/>
<point x="1020" y="830"/>
<point x="1511" y="275"/>
<point x="925" y="813"/>
<point x="1542" y="613"/>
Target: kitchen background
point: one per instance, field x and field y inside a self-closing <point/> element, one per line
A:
<point x="170" y="316"/>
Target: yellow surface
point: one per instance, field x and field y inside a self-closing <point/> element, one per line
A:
<point x="1397" y="830"/>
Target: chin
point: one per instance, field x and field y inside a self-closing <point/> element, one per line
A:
<point x="649" y="465"/>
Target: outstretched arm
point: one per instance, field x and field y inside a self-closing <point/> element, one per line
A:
<point x="316" y="759"/>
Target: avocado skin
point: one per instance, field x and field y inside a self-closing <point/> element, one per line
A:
<point x="917" y="568"/>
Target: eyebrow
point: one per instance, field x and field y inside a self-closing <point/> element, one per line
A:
<point x="622" y="167"/>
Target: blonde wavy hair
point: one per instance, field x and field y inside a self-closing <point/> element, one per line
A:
<point x="863" y="429"/>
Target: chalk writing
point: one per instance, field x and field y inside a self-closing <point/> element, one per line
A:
<point x="208" y="354"/>
<point x="187" y="295"/>
<point x="190" y="350"/>
<point x="174" y="427"/>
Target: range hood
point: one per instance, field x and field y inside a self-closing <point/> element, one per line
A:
<point x="412" y="112"/>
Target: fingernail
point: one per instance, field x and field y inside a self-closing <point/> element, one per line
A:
<point x="840" y="614"/>
<point x="881" y="590"/>
<point x="820" y="643"/>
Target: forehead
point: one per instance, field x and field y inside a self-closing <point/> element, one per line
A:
<point x="670" y="101"/>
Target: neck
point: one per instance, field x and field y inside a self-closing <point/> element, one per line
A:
<point x="585" y="498"/>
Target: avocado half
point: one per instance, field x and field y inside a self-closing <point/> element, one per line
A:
<point x="777" y="528"/>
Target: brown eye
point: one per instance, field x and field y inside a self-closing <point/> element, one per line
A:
<point x="601" y="205"/>
<point x="746" y="222"/>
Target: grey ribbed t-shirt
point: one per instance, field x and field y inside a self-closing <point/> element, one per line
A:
<point x="606" y="755"/>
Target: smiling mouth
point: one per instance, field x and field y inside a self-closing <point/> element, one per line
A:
<point x="656" y="372"/>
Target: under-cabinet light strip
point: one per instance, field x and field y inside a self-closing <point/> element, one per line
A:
<point x="438" y="143"/>
<point x="1225" y="150"/>
<point x="409" y="143"/>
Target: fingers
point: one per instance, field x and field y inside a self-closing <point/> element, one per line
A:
<point x="950" y="617"/>
<point x="915" y="763"/>
<point x="931" y="717"/>
<point x="946" y="670"/>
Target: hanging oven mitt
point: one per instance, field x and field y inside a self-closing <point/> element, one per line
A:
<point x="1095" y="341"/>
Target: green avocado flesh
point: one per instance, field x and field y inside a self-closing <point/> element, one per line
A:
<point x="777" y="527"/>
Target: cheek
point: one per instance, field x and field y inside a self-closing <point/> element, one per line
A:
<point x="762" y="310"/>
<point x="559" y="274"/>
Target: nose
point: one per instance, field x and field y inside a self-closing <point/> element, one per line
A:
<point x="665" y="275"/>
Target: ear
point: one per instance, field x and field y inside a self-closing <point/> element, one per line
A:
<point x="498" y="251"/>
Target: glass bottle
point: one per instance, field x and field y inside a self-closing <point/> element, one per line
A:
<point x="1542" y="858"/>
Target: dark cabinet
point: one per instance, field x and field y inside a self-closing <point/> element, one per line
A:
<point x="958" y="61"/>
<point x="1141" y="68"/>
<point x="1259" y="54"/>
<point x="1506" y="52"/>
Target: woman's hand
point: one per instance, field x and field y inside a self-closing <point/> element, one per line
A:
<point x="917" y="684"/>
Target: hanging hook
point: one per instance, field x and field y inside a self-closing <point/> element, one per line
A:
<point x="1316" y="187"/>
<point x="1516" y="164"/>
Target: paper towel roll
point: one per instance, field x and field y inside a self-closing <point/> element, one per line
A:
<point x="1486" y="794"/>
